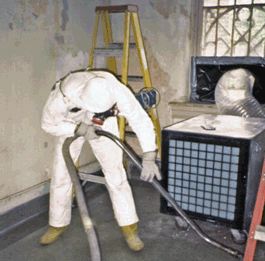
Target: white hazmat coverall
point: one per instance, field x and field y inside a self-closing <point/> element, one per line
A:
<point x="58" y="120"/>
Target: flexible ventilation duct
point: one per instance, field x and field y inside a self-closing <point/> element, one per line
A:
<point x="233" y="95"/>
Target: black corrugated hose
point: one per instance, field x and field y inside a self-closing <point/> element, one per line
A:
<point x="87" y="222"/>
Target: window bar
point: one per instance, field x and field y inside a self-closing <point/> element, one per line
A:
<point x="212" y="24"/>
<point x="205" y="29"/>
<point x="233" y="29"/>
<point x="264" y="46"/>
<point x="257" y="33"/>
<point x="217" y="23"/>
<point x="250" y="26"/>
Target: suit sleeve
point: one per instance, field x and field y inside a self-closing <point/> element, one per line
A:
<point x="53" y="119"/>
<point x="136" y="116"/>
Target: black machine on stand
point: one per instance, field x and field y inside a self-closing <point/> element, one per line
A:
<point x="212" y="166"/>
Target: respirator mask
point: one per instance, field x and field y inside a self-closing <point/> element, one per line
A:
<point x="99" y="118"/>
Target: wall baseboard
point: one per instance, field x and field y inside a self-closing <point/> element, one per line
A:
<point x="27" y="218"/>
<point x="24" y="196"/>
<point x="23" y="220"/>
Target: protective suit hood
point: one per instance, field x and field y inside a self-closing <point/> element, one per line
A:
<point x="89" y="91"/>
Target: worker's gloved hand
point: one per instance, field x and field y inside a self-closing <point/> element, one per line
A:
<point x="150" y="169"/>
<point x="88" y="131"/>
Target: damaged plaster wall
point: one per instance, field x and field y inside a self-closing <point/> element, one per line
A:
<point x="171" y="42"/>
<point x="42" y="40"/>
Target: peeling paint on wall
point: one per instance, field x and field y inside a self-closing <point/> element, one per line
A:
<point x="59" y="38"/>
<point x="22" y="15"/>
<point x="160" y="81"/>
<point x="183" y="10"/>
<point x="65" y="18"/>
<point x="164" y="7"/>
<point x="39" y="6"/>
<point x="64" y="14"/>
<point x="56" y="16"/>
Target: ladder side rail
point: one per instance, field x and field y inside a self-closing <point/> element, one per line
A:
<point x="126" y="44"/>
<point x="107" y="38"/>
<point x="141" y="50"/>
<point x="256" y="219"/>
<point x="125" y="65"/>
<point x="94" y="39"/>
<point x="146" y="75"/>
<point x="111" y="60"/>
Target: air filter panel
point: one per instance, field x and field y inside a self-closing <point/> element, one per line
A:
<point x="211" y="166"/>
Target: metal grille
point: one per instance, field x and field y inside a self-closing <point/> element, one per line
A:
<point x="202" y="178"/>
<point x="233" y="28"/>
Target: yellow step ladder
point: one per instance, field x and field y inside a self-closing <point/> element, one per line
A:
<point x="113" y="50"/>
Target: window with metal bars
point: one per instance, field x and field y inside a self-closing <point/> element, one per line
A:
<point x="233" y="28"/>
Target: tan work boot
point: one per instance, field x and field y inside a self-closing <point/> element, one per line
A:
<point x="131" y="235"/>
<point x="52" y="234"/>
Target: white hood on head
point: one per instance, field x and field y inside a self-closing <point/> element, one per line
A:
<point x="89" y="91"/>
<point x="97" y="96"/>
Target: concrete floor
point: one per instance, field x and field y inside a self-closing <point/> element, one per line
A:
<point x="163" y="240"/>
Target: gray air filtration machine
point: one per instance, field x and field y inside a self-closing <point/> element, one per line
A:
<point x="212" y="166"/>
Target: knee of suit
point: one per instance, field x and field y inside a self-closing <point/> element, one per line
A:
<point x="118" y="187"/>
<point x="61" y="188"/>
<point x="116" y="178"/>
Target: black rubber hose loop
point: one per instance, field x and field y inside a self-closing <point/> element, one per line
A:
<point x="87" y="222"/>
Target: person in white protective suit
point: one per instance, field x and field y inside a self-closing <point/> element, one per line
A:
<point x="69" y="111"/>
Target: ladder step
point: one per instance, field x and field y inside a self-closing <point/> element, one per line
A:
<point x="117" y="8"/>
<point x="133" y="78"/>
<point x="114" y="50"/>
<point x="92" y="178"/>
<point x="260" y="233"/>
<point x="120" y="46"/>
<point x="130" y="134"/>
<point x="91" y="167"/>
